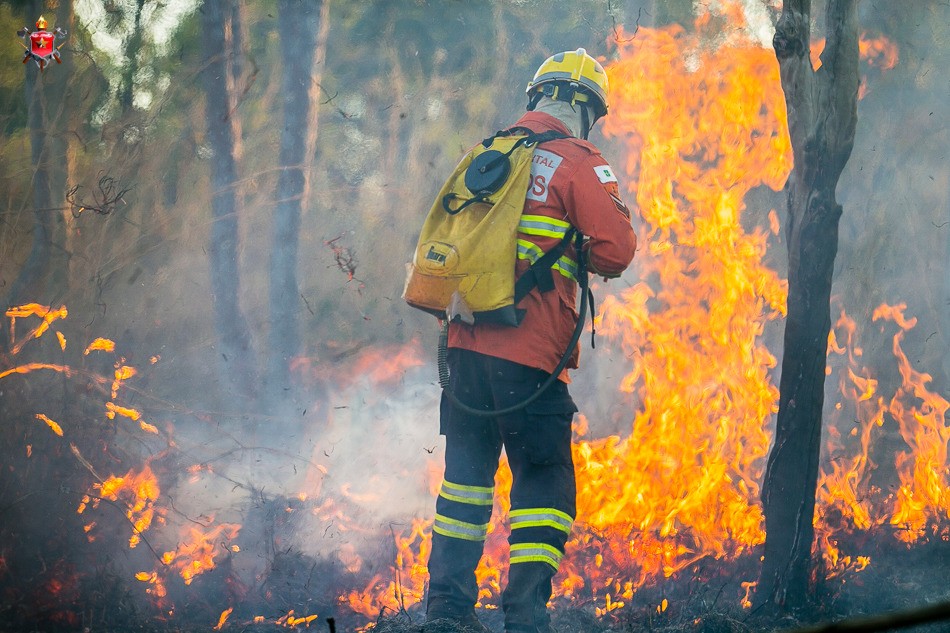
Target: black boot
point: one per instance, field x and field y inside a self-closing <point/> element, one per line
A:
<point x="526" y="597"/>
<point x="452" y="587"/>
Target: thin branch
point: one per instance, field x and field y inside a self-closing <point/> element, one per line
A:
<point x="104" y="201"/>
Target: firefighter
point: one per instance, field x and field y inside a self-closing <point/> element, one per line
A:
<point x="494" y="366"/>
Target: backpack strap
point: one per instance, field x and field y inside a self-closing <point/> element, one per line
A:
<point x="539" y="273"/>
<point x="544" y="137"/>
<point x="530" y="140"/>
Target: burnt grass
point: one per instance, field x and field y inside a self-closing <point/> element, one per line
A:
<point x="53" y="578"/>
<point x="900" y="578"/>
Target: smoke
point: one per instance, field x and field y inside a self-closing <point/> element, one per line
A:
<point x="351" y="457"/>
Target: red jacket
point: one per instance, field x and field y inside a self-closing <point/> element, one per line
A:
<point x="570" y="183"/>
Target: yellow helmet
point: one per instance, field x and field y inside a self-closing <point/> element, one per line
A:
<point x="561" y="75"/>
<point x="41" y="23"/>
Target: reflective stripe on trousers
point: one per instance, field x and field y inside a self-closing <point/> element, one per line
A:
<point x="538" y="535"/>
<point x="463" y="511"/>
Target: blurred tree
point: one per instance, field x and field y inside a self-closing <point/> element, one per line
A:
<point x="231" y="325"/>
<point x="41" y="276"/>
<point x="297" y="39"/>
<point x="132" y="54"/>
<point x="822" y="117"/>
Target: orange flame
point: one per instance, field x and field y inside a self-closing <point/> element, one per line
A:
<point x="875" y="51"/>
<point x="30" y="367"/>
<point x="122" y="373"/>
<point x="102" y="344"/>
<point x="47" y="314"/>
<point x="57" y="429"/>
<point x="847" y="497"/>
<point x="223" y="618"/>
<point x="878" y="51"/>
<point x="196" y="555"/>
<point x="290" y="620"/>
<point x="924" y="494"/>
<point x="138" y="491"/>
<point x="376" y="365"/>
<point x="406" y="585"/>
<point x="705" y="127"/>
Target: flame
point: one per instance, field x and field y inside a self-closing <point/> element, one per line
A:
<point x="101" y="344"/>
<point x="112" y="410"/>
<point x="924" y="494"/>
<point x="57" y="429"/>
<point x="30" y="367"/>
<point x="196" y="555"/>
<point x="137" y="491"/>
<point x="122" y="373"/>
<point x="377" y="365"/>
<point x="47" y="314"/>
<point x="290" y="620"/>
<point x="875" y="51"/>
<point x="157" y="587"/>
<point x="705" y="127"/>
<point x="848" y="498"/>
<point x="406" y="585"/>
<point x="878" y="51"/>
<point x="223" y="618"/>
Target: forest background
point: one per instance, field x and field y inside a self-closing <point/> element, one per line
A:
<point x="370" y="105"/>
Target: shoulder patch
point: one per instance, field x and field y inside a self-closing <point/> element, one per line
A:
<point x="605" y="174"/>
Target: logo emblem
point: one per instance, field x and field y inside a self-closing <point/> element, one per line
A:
<point x="605" y="174"/>
<point x="42" y="44"/>
<point x="543" y="166"/>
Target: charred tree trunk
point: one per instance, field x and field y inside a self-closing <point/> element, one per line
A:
<point x="822" y="114"/>
<point x="299" y="31"/>
<point x="231" y="326"/>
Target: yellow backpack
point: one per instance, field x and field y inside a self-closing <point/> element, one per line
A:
<point x="464" y="263"/>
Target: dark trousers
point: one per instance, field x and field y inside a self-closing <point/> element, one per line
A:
<point x="537" y="443"/>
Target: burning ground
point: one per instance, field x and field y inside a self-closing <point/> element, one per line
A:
<point x="124" y="507"/>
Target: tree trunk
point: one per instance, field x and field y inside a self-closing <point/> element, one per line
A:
<point x="298" y="29"/>
<point x="31" y="282"/>
<point x="316" y="79"/>
<point x="822" y="114"/>
<point x="230" y="324"/>
<point x="64" y="117"/>
<point x="234" y="42"/>
<point x="132" y="51"/>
